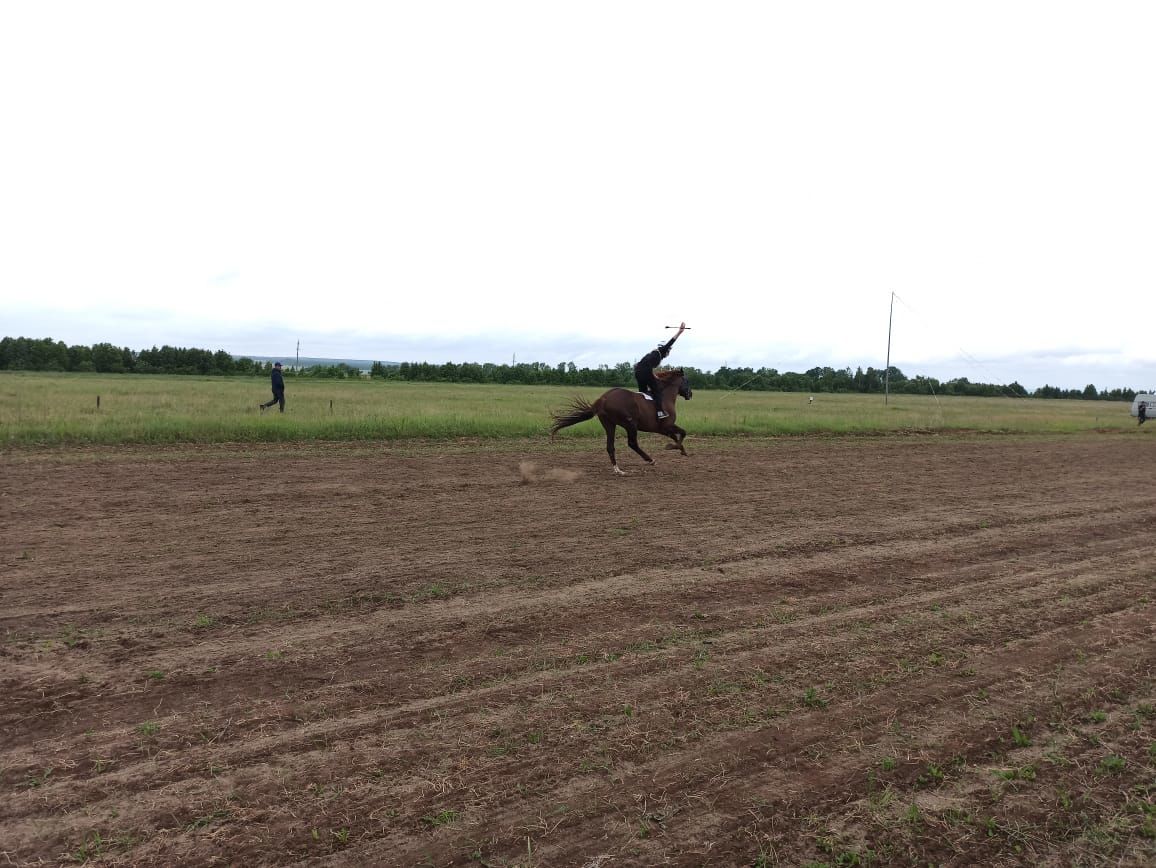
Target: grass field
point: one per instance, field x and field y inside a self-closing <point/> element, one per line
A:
<point x="38" y="408"/>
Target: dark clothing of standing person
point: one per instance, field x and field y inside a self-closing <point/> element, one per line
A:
<point x="1142" y="412"/>
<point x="278" y="383"/>
<point x="644" y="372"/>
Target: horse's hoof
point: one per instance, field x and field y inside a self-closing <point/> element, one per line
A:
<point x="651" y="462"/>
<point x="618" y="472"/>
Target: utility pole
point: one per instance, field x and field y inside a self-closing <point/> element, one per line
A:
<point x="298" y="365"/>
<point x="887" y="371"/>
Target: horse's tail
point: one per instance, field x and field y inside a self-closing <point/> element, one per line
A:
<point x="580" y="410"/>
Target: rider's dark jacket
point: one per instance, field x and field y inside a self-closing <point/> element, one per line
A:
<point x="644" y="370"/>
<point x="650" y="361"/>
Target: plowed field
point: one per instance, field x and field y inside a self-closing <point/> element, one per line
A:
<point x="843" y="651"/>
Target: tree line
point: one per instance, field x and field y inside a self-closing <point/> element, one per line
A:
<point x="822" y="379"/>
<point x="45" y="354"/>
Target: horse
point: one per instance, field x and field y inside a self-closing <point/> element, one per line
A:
<point x="633" y="412"/>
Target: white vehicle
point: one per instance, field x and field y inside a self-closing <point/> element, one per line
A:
<point x="1149" y="405"/>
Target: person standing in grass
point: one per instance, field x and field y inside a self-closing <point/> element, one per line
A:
<point x="278" y="383"/>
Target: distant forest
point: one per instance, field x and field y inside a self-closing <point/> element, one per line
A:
<point x="45" y="354"/>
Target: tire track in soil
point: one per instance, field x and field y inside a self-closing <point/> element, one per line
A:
<point x="535" y="611"/>
<point x="810" y="573"/>
<point x="744" y="649"/>
<point x="816" y="576"/>
<point x="734" y="769"/>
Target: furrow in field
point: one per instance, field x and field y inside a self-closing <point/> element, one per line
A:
<point x="355" y="731"/>
<point x="386" y="640"/>
<point x="697" y="788"/>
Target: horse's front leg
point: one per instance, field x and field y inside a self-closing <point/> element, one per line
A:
<point x="677" y="435"/>
<point x="632" y="442"/>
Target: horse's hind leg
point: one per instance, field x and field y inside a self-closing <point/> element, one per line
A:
<point x="610" y="429"/>
<point x="632" y="442"/>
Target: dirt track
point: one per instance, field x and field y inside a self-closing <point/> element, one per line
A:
<point x="894" y="650"/>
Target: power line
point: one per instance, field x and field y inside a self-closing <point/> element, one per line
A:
<point x="997" y="380"/>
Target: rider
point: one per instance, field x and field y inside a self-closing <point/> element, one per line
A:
<point x="644" y="371"/>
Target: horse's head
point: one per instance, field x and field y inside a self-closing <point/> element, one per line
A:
<point x="676" y="376"/>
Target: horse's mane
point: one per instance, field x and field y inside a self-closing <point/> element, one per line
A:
<point x="666" y="376"/>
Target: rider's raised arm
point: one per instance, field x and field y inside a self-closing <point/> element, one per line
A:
<point x="665" y="348"/>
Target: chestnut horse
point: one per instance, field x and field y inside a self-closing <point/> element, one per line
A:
<point x="633" y="412"/>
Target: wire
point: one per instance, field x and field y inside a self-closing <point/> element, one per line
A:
<point x="997" y="380"/>
<point x="740" y="385"/>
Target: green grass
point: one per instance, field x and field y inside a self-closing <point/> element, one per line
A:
<point x="42" y="408"/>
<point x="441" y="818"/>
<point x="812" y="699"/>
<point x="1112" y="763"/>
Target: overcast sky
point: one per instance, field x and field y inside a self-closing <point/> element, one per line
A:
<point x="469" y="181"/>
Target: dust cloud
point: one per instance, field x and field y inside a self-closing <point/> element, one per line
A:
<point x="533" y="472"/>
